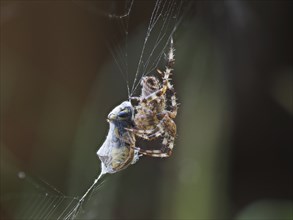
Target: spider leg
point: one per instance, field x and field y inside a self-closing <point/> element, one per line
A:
<point x="148" y="137"/>
<point x="167" y="150"/>
<point x="152" y="153"/>
<point x="171" y="55"/>
<point x="166" y="127"/>
<point x="174" y="105"/>
<point x="168" y="143"/>
<point x="169" y="136"/>
<point x="149" y="134"/>
<point x="165" y="76"/>
<point x="156" y="94"/>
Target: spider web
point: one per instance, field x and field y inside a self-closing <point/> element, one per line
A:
<point x="164" y="19"/>
<point x="42" y="200"/>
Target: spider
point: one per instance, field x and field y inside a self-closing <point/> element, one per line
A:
<point x="152" y="118"/>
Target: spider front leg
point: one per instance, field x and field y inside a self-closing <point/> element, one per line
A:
<point x="174" y="105"/>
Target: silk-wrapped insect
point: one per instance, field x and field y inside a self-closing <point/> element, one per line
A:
<point x="118" y="150"/>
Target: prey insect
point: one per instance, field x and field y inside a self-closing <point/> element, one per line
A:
<point x="118" y="151"/>
<point x="149" y="116"/>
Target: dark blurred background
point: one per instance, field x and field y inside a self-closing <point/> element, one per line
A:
<point x="233" y="77"/>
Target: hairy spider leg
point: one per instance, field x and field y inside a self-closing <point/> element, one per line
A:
<point x="168" y="141"/>
<point x="174" y="104"/>
<point x="152" y="153"/>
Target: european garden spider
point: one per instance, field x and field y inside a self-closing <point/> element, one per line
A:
<point x="152" y="118"/>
